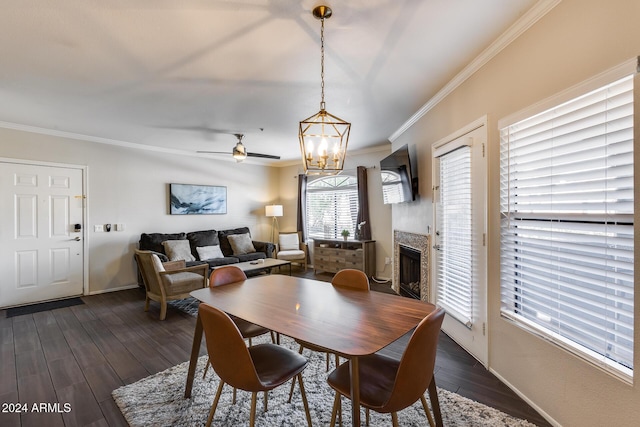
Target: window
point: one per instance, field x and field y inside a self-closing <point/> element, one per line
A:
<point x="454" y="230"/>
<point x="332" y="206"/>
<point x="567" y="248"/>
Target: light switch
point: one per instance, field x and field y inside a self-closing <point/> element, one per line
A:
<point x="98" y="228"/>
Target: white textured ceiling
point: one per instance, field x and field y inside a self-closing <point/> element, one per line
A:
<point x="177" y="74"/>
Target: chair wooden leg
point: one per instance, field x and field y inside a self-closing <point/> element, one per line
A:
<point x="366" y="411"/>
<point x="432" y="423"/>
<point x="293" y="385"/>
<point x="273" y="338"/>
<point x="328" y="357"/>
<point x="206" y="368"/>
<point x="334" y="411"/>
<point x="266" y="398"/>
<point x="249" y="342"/>
<point x="212" y="411"/>
<point x="394" y="419"/>
<point x="252" y="417"/>
<point x="337" y="360"/>
<point x="304" y="399"/>
<point x="435" y="404"/>
<point x="163" y="310"/>
<point x="146" y="303"/>
<point x="293" y="382"/>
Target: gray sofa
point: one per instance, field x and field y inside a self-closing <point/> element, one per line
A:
<point x="153" y="242"/>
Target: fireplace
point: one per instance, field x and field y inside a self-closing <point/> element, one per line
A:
<point x="411" y="264"/>
<point x="409" y="267"/>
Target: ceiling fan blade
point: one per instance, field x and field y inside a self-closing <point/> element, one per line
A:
<point x="264" y="156"/>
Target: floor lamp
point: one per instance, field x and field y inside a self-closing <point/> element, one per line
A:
<point x="273" y="211"/>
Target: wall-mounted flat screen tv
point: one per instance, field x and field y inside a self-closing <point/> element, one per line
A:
<point x="399" y="184"/>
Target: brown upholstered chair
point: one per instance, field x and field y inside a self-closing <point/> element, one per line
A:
<point x="262" y="367"/>
<point x="348" y="278"/>
<point x="388" y="385"/>
<point x="168" y="281"/>
<point x="230" y="274"/>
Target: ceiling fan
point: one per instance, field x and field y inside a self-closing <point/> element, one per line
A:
<point x="240" y="153"/>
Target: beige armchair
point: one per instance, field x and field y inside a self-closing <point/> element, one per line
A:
<point x="168" y="281"/>
<point x="292" y="248"/>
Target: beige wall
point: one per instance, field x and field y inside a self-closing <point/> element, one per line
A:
<point x="129" y="186"/>
<point x="578" y="39"/>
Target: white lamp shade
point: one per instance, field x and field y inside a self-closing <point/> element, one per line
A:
<point x="273" y="210"/>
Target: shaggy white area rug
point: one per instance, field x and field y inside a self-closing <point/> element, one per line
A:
<point x="158" y="400"/>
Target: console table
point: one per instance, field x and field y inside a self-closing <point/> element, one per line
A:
<point x="333" y="255"/>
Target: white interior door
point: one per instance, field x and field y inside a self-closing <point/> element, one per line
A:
<point x="41" y="256"/>
<point x="459" y="252"/>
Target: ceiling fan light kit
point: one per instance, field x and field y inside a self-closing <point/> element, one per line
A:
<point x="239" y="152"/>
<point x="323" y="136"/>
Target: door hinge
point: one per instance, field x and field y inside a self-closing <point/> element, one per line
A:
<point x="484" y="328"/>
<point x="484" y="239"/>
<point x="483" y="149"/>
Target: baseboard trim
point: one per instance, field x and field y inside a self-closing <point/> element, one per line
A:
<point x="121" y="288"/>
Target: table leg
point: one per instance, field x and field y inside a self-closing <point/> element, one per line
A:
<point x="289" y="269"/>
<point x="355" y="391"/>
<point x="193" y="362"/>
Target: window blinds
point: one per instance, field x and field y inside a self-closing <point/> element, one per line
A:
<point x="567" y="248"/>
<point x="455" y="237"/>
<point x="332" y="206"/>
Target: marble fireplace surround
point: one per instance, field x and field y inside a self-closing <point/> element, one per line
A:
<point x="420" y="243"/>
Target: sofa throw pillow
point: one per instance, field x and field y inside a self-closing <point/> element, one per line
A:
<point x="199" y="239"/>
<point x="209" y="252"/>
<point x="223" y="235"/>
<point x="157" y="264"/>
<point x="178" y="249"/>
<point x="241" y="244"/>
<point x="289" y="242"/>
<point x="153" y="241"/>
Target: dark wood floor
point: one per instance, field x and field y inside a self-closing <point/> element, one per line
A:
<point x="78" y="355"/>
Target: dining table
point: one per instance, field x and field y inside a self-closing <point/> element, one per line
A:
<point x="349" y="322"/>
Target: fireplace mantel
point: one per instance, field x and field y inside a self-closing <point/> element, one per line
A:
<point x="420" y="243"/>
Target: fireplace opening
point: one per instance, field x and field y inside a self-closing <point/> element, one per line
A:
<point x="409" y="270"/>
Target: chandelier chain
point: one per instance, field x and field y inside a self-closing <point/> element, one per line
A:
<point x="322" y="64"/>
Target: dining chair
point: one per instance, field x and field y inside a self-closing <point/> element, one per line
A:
<point x="347" y="278"/>
<point x="262" y="367"/>
<point x="230" y="274"/>
<point x="388" y="385"/>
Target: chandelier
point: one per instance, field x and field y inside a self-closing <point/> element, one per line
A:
<point x="323" y="136"/>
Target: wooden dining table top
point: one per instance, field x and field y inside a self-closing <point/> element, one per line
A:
<point x="347" y="321"/>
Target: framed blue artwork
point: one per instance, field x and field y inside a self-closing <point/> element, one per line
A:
<point x="188" y="199"/>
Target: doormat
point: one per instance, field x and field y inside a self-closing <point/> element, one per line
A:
<point x="43" y="306"/>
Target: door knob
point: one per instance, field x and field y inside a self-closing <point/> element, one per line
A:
<point x="77" y="239"/>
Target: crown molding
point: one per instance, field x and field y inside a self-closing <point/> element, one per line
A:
<point x="532" y="16"/>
